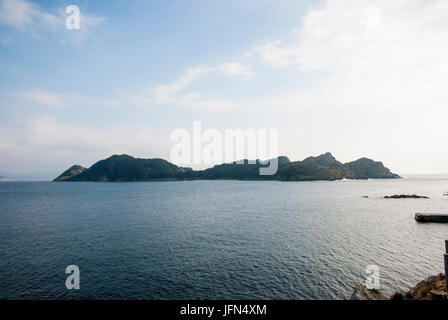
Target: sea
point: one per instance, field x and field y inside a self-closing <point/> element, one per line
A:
<point x="218" y="239"/>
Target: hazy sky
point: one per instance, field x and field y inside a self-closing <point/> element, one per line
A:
<point x="354" y="77"/>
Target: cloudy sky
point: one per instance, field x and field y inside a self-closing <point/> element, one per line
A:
<point x="354" y="77"/>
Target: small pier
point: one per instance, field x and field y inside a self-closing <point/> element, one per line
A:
<point x="432" y="217"/>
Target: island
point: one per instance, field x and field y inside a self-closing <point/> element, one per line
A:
<point x="406" y="196"/>
<point x="125" y="168"/>
<point x="5" y="179"/>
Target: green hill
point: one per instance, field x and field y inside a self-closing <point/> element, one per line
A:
<point x="323" y="167"/>
<point x="127" y="168"/>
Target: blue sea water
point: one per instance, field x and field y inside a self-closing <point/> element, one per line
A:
<point x="216" y="239"/>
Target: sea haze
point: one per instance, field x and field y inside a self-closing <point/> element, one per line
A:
<point x="217" y="239"/>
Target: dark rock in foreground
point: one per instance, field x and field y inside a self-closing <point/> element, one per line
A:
<point x="362" y="293"/>
<point x="432" y="288"/>
<point x="422" y="291"/>
<point x="406" y="196"/>
<point x="323" y="167"/>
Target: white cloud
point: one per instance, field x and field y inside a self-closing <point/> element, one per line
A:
<point x="166" y="93"/>
<point x="21" y="14"/>
<point x="369" y="79"/>
<point x="44" y="98"/>
<point x="26" y="16"/>
<point x="53" y="145"/>
<point x="173" y="93"/>
<point x="375" y="80"/>
<point x="355" y="54"/>
<point x="18" y="13"/>
<point x="236" y="69"/>
<point x="194" y="101"/>
<point x="364" y="54"/>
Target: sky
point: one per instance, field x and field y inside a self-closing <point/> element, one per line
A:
<point x="356" y="78"/>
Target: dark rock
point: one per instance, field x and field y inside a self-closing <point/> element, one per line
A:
<point x="406" y="196"/>
<point x="432" y="217"/>
<point x="432" y="288"/>
<point x="397" y="296"/>
<point x="361" y="292"/>
<point x="422" y="291"/>
<point x="438" y="295"/>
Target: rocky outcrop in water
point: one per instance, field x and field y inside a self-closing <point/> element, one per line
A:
<point x="405" y="196"/>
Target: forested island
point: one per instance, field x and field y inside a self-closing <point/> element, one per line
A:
<point x="123" y="168"/>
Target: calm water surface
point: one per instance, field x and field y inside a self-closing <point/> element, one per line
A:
<point x="216" y="239"/>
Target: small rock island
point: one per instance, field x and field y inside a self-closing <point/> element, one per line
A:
<point x="406" y="196"/>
